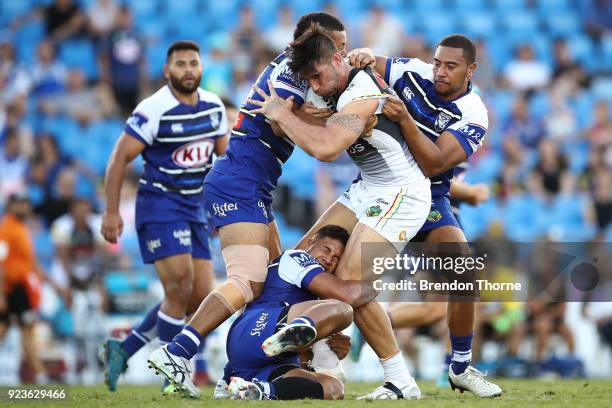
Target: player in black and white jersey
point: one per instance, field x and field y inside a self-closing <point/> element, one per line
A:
<point x="391" y="201"/>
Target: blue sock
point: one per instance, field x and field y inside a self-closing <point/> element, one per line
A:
<point x="448" y="359"/>
<point x="143" y="333"/>
<point x="200" y="359"/>
<point x="462" y="352"/>
<point x="303" y="319"/>
<point x="186" y="343"/>
<point x="168" y="327"/>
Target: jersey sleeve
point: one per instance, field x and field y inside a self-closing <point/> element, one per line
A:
<point x="396" y="67"/>
<point x="287" y="84"/>
<point x="471" y="129"/>
<point x="143" y="123"/>
<point x="363" y="86"/>
<point x="298" y="268"/>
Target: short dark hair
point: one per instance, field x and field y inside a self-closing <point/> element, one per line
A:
<point x="180" y="46"/>
<point x="325" y="20"/>
<point x="460" y="41"/>
<point x="333" y="232"/>
<point x="311" y="47"/>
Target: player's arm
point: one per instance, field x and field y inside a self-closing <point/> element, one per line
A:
<point x="324" y="143"/>
<point x="433" y="158"/>
<point x="473" y="194"/>
<point x="355" y="293"/>
<point x="3" y="254"/>
<point x="125" y="151"/>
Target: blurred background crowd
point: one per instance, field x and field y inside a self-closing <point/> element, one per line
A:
<point x="71" y="71"/>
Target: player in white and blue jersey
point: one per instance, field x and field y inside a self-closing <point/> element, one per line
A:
<point x="239" y="192"/>
<point x="444" y="122"/>
<point x="176" y="131"/>
<point x="262" y="342"/>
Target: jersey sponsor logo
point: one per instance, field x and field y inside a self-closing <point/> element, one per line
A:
<point x="177" y="128"/>
<point x="260" y="324"/>
<point x="407" y="92"/>
<point x="303" y="259"/>
<point x="137" y="120"/>
<point x="221" y="210"/>
<point x="374" y="211"/>
<point x="442" y="121"/>
<point x="473" y="132"/>
<point x="261" y="205"/>
<point x="381" y="82"/>
<point x="184" y="236"/>
<point x="400" y="60"/>
<point x="356" y="148"/>
<point x="194" y="154"/>
<point x="287" y="76"/>
<point x="215" y="119"/>
<point x="402" y="236"/>
<point x="434" y="216"/>
<point x="381" y="201"/>
<point x="153" y="244"/>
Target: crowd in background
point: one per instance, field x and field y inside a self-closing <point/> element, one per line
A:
<point x="71" y="72"/>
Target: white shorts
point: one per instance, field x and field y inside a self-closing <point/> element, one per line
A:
<point x="397" y="214"/>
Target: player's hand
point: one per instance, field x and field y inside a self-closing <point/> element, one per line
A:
<point x="321" y="113"/>
<point x="112" y="227"/>
<point x="481" y="193"/>
<point x="395" y="110"/>
<point x="340" y="344"/>
<point x="272" y="106"/>
<point x="361" y="57"/>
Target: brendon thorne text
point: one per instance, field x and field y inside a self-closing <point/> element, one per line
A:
<point x="453" y="286"/>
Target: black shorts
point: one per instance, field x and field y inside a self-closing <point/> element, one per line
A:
<point x="18" y="305"/>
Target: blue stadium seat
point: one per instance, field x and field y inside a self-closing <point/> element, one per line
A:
<point x="180" y="8"/>
<point x="583" y="50"/>
<point x="539" y="104"/>
<point x="298" y="174"/>
<point x="80" y="54"/>
<point x="583" y="105"/>
<point x="143" y="9"/>
<point x="301" y="7"/>
<point x="478" y="24"/>
<point x="390" y="6"/>
<point x="66" y="131"/>
<point x="430" y="7"/>
<point x="44" y="248"/>
<point x="437" y="28"/>
<point x="602" y="88"/>
<point x="522" y="217"/>
<point x="546" y="7"/>
<point x="9" y="9"/>
<point x="266" y="12"/>
<point x="486" y="168"/>
<point x="469" y="6"/>
<point x="520" y="24"/>
<point x="29" y="35"/>
<point x="563" y="24"/>
<point x="222" y="15"/>
<point x="509" y="6"/>
<point x="156" y="58"/>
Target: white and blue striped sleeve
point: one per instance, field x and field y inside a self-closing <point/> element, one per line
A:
<point x="143" y="123"/>
<point x="298" y="268"/>
<point x="396" y="67"/>
<point x="472" y="128"/>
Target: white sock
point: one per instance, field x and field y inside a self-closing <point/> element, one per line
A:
<point x="396" y="371"/>
<point x="323" y="356"/>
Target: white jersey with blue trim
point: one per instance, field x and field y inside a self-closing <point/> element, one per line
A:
<point x="288" y="279"/>
<point x="180" y="142"/>
<point x="464" y="117"/>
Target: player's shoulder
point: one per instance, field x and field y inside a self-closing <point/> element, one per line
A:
<point x="157" y="104"/>
<point x="471" y="105"/>
<point x="297" y="257"/>
<point x="282" y="72"/>
<point x="415" y="65"/>
<point x="210" y="97"/>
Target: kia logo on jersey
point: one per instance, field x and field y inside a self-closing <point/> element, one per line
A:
<point x="195" y="154"/>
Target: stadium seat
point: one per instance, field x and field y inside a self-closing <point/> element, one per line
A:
<point x="478" y="24"/>
<point x="80" y="54"/>
<point x="509" y="6"/>
<point x="583" y="50"/>
<point x="430" y="7"/>
<point x="266" y="12"/>
<point x="222" y="15"/>
<point x="180" y="9"/>
<point x="539" y="104"/>
<point x="546" y="7"/>
<point x="301" y="7"/>
<point x="144" y="9"/>
<point x="469" y="6"/>
<point x="562" y="24"/>
<point x="520" y="24"/>
<point x="437" y="28"/>
<point x="602" y="88"/>
<point x="9" y="9"/>
<point x="156" y="58"/>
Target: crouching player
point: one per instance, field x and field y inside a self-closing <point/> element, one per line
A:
<point x="263" y="342"/>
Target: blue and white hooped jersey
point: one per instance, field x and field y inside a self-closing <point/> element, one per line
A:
<point x="288" y="279"/>
<point x="180" y="142"/>
<point x="465" y="117"/>
<point x="254" y="152"/>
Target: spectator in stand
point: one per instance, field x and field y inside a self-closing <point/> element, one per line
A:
<point x="600" y="132"/>
<point x="565" y="66"/>
<point x="101" y="16"/>
<point x="15" y="81"/>
<point x="246" y="39"/>
<point x="560" y="121"/>
<point x="281" y="33"/>
<point x="49" y="75"/>
<point x="79" y="259"/>
<point x="598" y="18"/>
<point x="521" y="132"/>
<point x="123" y="62"/>
<point x="20" y="278"/>
<point x="13" y="167"/>
<point x="382" y="32"/>
<point x="551" y="174"/>
<point x="62" y="194"/>
<point x="525" y="73"/>
<point x="81" y="102"/>
<point x="63" y="19"/>
<point x="13" y="120"/>
<point x="601" y="198"/>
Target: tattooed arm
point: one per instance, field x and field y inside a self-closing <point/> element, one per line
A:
<point x="325" y="143"/>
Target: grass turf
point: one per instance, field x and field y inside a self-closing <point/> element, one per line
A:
<point x="517" y="393"/>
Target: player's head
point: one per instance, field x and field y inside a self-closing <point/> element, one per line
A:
<point x="327" y="245"/>
<point x="18" y="205"/>
<point x="327" y="22"/>
<point x="316" y="59"/>
<point x="183" y="68"/>
<point x="454" y="65"/>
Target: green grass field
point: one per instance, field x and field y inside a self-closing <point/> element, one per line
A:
<point x="517" y="393"/>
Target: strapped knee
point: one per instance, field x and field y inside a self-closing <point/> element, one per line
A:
<point x="245" y="264"/>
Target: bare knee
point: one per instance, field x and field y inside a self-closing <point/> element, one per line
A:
<point x="333" y="388"/>
<point x="342" y="310"/>
<point x="179" y="290"/>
